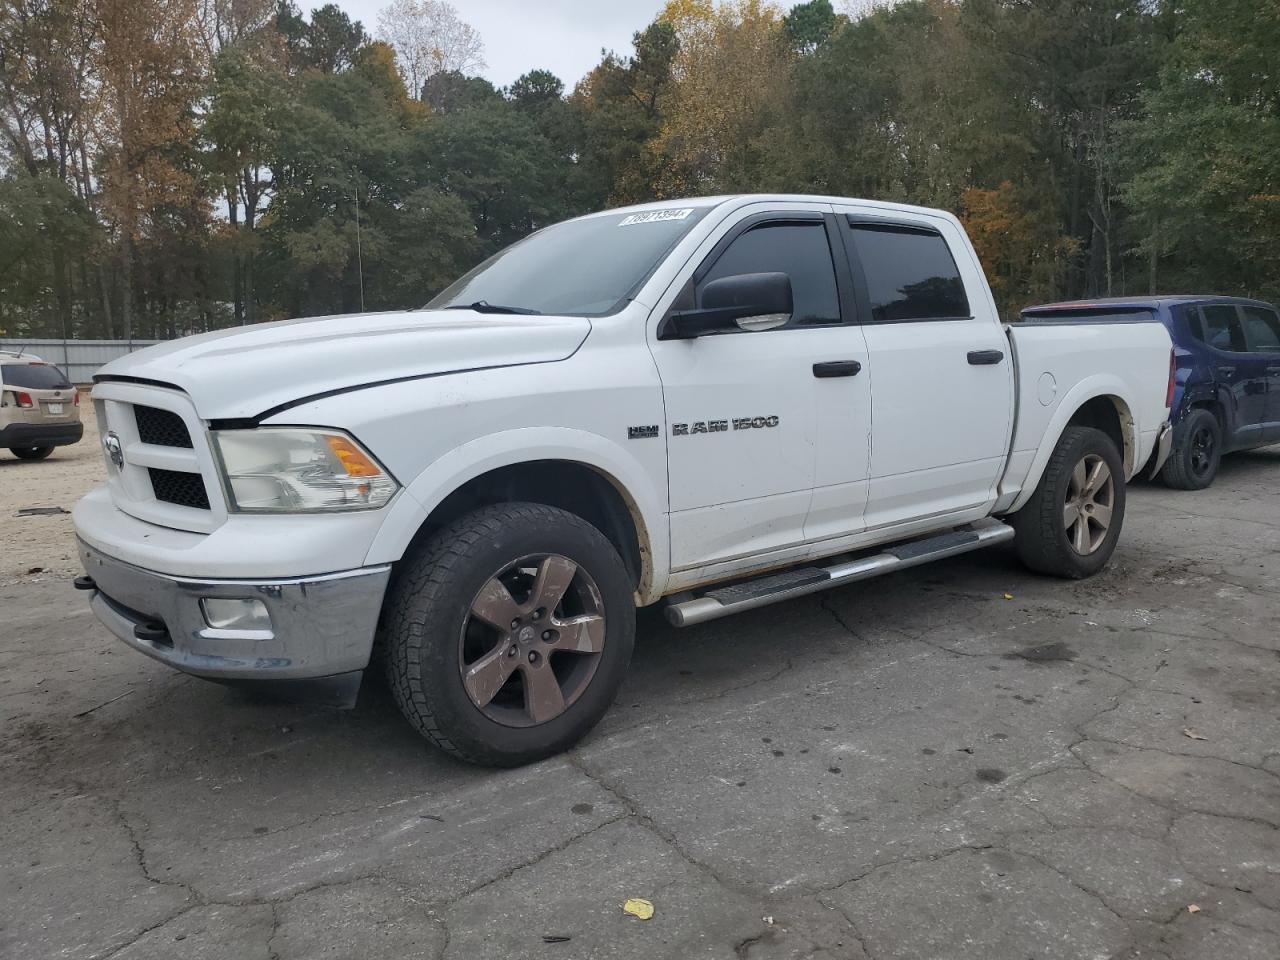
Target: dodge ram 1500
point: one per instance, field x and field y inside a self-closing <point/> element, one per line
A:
<point x="711" y="404"/>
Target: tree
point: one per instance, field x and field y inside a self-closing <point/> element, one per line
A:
<point x="494" y="159"/>
<point x="536" y="91"/>
<point x="1078" y="70"/>
<point x="151" y="68"/>
<point x="1203" y="164"/>
<point x="451" y="91"/>
<point x="47" y="50"/>
<point x="240" y="132"/>
<point x="731" y="77"/>
<point x="809" y="24"/>
<point x="429" y="37"/>
<point x="619" y="107"/>
<point x="328" y="42"/>
<point x="1014" y="232"/>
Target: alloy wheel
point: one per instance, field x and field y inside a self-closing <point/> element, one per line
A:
<point x="532" y="640"/>
<point x="1202" y="449"/>
<point x="1086" y="517"/>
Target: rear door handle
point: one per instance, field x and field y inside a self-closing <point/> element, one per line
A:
<point x="836" y="368"/>
<point x="985" y="358"/>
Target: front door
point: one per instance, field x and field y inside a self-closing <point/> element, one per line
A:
<point x="1262" y="331"/>
<point x="746" y="412"/>
<point x="941" y="369"/>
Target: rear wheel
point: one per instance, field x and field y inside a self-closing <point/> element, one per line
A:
<point x="1197" y="452"/>
<point x="1070" y="526"/>
<point x="31" y="453"/>
<point x="509" y="633"/>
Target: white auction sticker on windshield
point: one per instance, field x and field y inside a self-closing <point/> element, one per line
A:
<point x="655" y="216"/>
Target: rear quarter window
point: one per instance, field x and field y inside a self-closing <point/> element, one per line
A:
<point x="33" y="376"/>
<point x="1218" y="326"/>
<point x="1262" y="329"/>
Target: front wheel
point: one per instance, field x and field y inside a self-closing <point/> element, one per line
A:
<point x="509" y="633"/>
<point x="31" y="453"/>
<point x="1070" y="526"/>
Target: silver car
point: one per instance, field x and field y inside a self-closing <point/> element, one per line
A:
<point x="39" y="407"/>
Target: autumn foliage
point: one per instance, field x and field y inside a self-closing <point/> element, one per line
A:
<point x="170" y="166"/>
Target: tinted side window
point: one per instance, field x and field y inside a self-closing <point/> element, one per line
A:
<point x="1219" y="327"/>
<point x="801" y="251"/>
<point x="1262" y="329"/>
<point x="910" y="274"/>
<point x="34" y="376"/>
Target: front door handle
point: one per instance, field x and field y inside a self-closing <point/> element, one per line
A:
<point x="985" y="358"/>
<point x="836" y="368"/>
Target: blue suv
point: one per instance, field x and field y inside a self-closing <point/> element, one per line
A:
<point x="1227" y="395"/>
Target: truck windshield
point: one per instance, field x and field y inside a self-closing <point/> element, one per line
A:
<point x="586" y="267"/>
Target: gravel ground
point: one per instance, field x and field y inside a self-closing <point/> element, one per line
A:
<point x="958" y="762"/>
<point x="43" y="547"/>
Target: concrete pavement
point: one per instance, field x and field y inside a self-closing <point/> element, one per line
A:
<point x="915" y="767"/>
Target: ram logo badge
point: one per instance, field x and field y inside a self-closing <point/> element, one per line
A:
<point x="115" y="451"/>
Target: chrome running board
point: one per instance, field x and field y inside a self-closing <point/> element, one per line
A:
<point x="724" y="599"/>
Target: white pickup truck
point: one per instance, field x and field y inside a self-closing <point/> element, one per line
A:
<point x="711" y="404"/>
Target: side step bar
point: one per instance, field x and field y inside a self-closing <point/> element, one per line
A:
<point x="797" y="582"/>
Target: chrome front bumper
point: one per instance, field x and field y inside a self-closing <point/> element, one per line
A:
<point x="321" y="626"/>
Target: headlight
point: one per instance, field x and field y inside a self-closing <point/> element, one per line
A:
<point x="289" y="470"/>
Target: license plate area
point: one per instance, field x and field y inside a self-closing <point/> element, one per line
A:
<point x="54" y="408"/>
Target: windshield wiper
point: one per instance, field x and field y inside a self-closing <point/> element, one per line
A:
<point x="484" y="306"/>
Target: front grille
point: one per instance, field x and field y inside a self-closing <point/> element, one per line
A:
<point x="184" y="489"/>
<point x="161" y="427"/>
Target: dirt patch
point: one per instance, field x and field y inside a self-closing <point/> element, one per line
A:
<point x="43" y="546"/>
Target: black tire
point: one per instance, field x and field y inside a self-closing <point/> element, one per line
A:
<point x="31" y="453"/>
<point x="1041" y="528"/>
<point x="1196" y="452"/>
<point x="428" y="614"/>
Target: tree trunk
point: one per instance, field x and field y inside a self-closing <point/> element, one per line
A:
<point x="237" y="281"/>
<point x="106" y="302"/>
<point x="252" y="192"/>
<point x="1154" y="260"/>
<point x="126" y="287"/>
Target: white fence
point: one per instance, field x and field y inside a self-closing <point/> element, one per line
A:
<point x="78" y="359"/>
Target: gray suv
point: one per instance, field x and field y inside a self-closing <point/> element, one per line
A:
<point x="39" y="407"/>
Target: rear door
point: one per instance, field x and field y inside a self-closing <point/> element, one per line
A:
<point x="1262" y="331"/>
<point x="1243" y="375"/>
<point x="746" y="411"/>
<point x="941" y="369"/>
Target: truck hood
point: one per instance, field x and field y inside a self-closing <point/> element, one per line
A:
<point x="246" y="371"/>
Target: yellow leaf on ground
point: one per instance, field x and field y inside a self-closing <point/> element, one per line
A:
<point x="637" y="907"/>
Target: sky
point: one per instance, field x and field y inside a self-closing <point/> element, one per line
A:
<point x="563" y="36"/>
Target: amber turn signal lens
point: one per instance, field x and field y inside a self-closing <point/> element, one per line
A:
<point x="352" y="458"/>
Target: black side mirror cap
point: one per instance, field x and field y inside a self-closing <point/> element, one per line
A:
<point x="730" y="299"/>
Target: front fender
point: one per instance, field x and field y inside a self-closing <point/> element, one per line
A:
<point x="508" y="448"/>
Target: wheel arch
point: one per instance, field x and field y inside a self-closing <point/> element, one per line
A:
<point x="1102" y="406"/>
<point x="582" y="476"/>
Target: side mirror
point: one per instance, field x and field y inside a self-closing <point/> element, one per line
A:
<point x="748" y="301"/>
